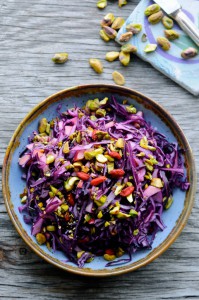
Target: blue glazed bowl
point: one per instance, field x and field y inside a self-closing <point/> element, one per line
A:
<point x="175" y="218"/>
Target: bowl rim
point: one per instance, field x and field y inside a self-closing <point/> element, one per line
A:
<point x="180" y="223"/>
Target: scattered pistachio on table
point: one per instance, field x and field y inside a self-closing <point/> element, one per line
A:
<point x="60" y="58"/>
<point x="150" y="48"/>
<point x="155" y="18"/>
<point x="171" y="34"/>
<point x="125" y="37"/>
<point x="102" y="4"/>
<point x="117" y="23"/>
<point x="104" y="36"/>
<point x="129" y="48"/>
<point x="167" y="22"/>
<point x="164" y="43"/>
<point x="108" y="20"/>
<point x="134" y="28"/>
<point x="152" y="9"/>
<point x="118" y="78"/>
<point x="96" y="65"/>
<point x="124" y="58"/>
<point x="189" y="53"/>
<point x="122" y="3"/>
<point x="111" y="56"/>
<point x="110" y="32"/>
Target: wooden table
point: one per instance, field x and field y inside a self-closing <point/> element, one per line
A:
<point x="31" y="32"/>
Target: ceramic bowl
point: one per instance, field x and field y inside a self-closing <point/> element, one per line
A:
<point x="175" y="218"/>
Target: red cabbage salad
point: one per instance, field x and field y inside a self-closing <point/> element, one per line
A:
<point x="96" y="186"/>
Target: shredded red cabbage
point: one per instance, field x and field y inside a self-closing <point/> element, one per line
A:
<point x="97" y="181"/>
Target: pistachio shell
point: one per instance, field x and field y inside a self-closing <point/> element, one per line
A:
<point x="118" y="78"/>
<point x="111" y="56"/>
<point x="96" y="65"/>
<point x="152" y="9"/>
<point x="156" y="18"/>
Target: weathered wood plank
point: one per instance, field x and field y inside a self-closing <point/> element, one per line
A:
<point x="31" y="32"/>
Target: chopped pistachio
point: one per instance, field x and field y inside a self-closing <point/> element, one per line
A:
<point x="69" y="184"/>
<point x="87" y="218"/>
<point x="101" y="201"/>
<point x="53" y="189"/>
<point x="23" y="200"/>
<point x="135" y="232"/>
<point x="104" y="101"/>
<point x="109" y="157"/>
<point x="133" y="213"/>
<point x="124" y="58"/>
<point x="169" y="202"/>
<point x="110" y="166"/>
<point x="157" y="182"/>
<point x="101" y="158"/>
<point x="60" y="58"/>
<point x="79" y="254"/>
<point x="109" y="257"/>
<point x="49" y="159"/>
<point x="122" y="215"/>
<point x="93" y="104"/>
<point x="100" y="214"/>
<point x="41" y="239"/>
<point x="40" y="204"/>
<point x="66" y="148"/>
<point x="144" y="38"/>
<point x="131" y="109"/>
<point x="100" y="112"/>
<point x="106" y="224"/>
<point x="64" y="207"/>
<point x="118" y="189"/>
<point x="148" y="176"/>
<point x="130" y="198"/>
<point x="51" y="228"/>
<point x="152" y="161"/>
<point x="144" y="144"/>
<point x="119" y="252"/>
<point x="150" y="48"/>
<point x="42" y="125"/>
<point x="90" y="154"/>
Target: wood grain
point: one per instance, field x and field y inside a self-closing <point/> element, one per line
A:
<point x="31" y="32"/>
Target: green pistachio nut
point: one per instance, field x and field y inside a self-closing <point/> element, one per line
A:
<point x="128" y="48"/>
<point x="152" y="9"/>
<point x="124" y="58"/>
<point x="134" y="28"/>
<point x="104" y="36"/>
<point x="122" y="3"/>
<point x="60" y="58"/>
<point x="150" y="48"/>
<point x="93" y="104"/>
<point x="155" y="18"/>
<point x="189" y="53"/>
<point x="125" y="37"/>
<point x="109" y="257"/>
<point x="171" y="34"/>
<point x="107" y="20"/>
<point x="96" y="65"/>
<point x="131" y="109"/>
<point x="111" y="56"/>
<point x="100" y="112"/>
<point x="164" y="43"/>
<point x="42" y="125"/>
<point x="41" y="239"/>
<point x="167" y="22"/>
<point x="118" y="78"/>
<point x="110" y="32"/>
<point x="102" y="4"/>
<point x="118" y="22"/>
<point x="169" y="202"/>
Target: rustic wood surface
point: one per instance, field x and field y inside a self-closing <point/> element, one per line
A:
<point x="31" y="32"/>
